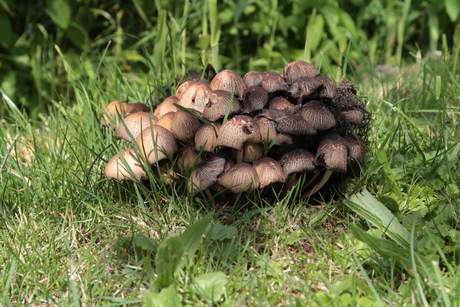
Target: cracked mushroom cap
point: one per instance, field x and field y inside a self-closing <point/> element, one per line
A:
<point x="157" y="143"/>
<point x="125" y="166"/>
<point x="184" y="125"/>
<point x="239" y="178"/>
<point x="229" y="81"/>
<point x="297" y="161"/>
<point x="166" y="106"/>
<point x="318" y="115"/>
<point x="206" y="137"/>
<point x="195" y="96"/>
<point x="268" y="171"/>
<point x="205" y="174"/>
<point x="133" y="124"/>
<point x="332" y="153"/>
<point x="254" y="98"/>
<point x="220" y="103"/>
<point x="298" y="69"/>
<point x="238" y="130"/>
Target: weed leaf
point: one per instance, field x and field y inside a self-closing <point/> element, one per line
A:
<point x="167" y="261"/>
<point x="167" y="297"/>
<point x="192" y="236"/>
<point x="210" y="286"/>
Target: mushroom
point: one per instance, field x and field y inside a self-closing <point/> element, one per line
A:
<point x="220" y="103"/>
<point x="254" y="99"/>
<point x="113" y="112"/>
<point x="280" y="103"/>
<point x="269" y="135"/>
<point x="183" y="87"/>
<point x="298" y="69"/>
<point x="205" y="174"/>
<point x="229" y="81"/>
<point x="206" y="137"/>
<point x="237" y="131"/>
<point x="354" y="116"/>
<point x="328" y="90"/>
<point x="356" y="148"/>
<point x="125" y="166"/>
<point x="166" y="106"/>
<point x="187" y="159"/>
<point x="268" y="171"/>
<point x="195" y="96"/>
<point x="318" y="115"/>
<point x="299" y="160"/>
<point x="287" y="121"/>
<point x="137" y="107"/>
<point x="157" y="143"/>
<point x="164" y="170"/>
<point x="166" y="120"/>
<point x="332" y="155"/>
<point x="133" y="124"/>
<point x="185" y="124"/>
<point x="274" y="83"/>
<point x="304" y="87"/>
<point x="252" y="151"/>
<point x="253" y="78"/>
<point x="239" y="178"/>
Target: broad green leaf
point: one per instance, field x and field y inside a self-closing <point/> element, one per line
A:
<point x="167" y="260"/>
<point x="376" y="213"/>
<point x="220" y="232"/>
<point x="452" y="9"/>
<point x="167" y="297"/>
<point x="406" y="258"/>
<point x="194" y="233"/>
<point x="59" y="12"/>
<point x="210" y="286"/>
<point x="147" y="244"/>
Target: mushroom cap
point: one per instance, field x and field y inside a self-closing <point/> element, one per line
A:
<point x="298" y="69"/>
<point x="137" y="107"/>
<point x="304" y="87"/>
<point x="133" y="124"/>
<point x="166" y="120"/>
<point x="354" y="116"/>
<point x="113" y="112"/>
<point x="268" y="171"/>
<point x="357" y="148"/>
<point x="229" y="81"/>
<point x="332" y="153"/>
<point x="164" y="170"/>
<point x="273" y="83"/>
<point x="166" y="106"/>
<point x="298" y="160"/>
<point x="220" y="102"/>
<point x="206" y="137"/>
<point x="253" y="78"/>
<point x="328" y="90"/>
<point x="346" y="96"/>
<point x="157" y="143"/>
<point x="287" y="121"/>
<point x="318" y="115"/>
<point x="125" y="168"/>
<point x="239" y="178"/>
<point x="187" y="159"/>
<point x="254" y="98"/>
<point x="205" y="174"/>
<point x="280" y="103"/>
<point x="195" y="96"/>
<point x="183" y="87"/>
<point x="252" y="151"/>
<point x="269" y="134"/>
<point x="238" y="130"/>
<point x="185" y="124"/>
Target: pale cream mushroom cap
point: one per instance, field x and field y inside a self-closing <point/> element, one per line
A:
<point x="126" y="168"/>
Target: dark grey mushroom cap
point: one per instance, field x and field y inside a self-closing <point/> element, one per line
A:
<point x="332" y="153"/>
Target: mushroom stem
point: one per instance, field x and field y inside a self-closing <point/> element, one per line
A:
<point x="310" y="181"/>
<point x="239" y="156"/>
<point x="319" y="185"/>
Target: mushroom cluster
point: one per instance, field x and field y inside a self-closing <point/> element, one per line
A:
<point x="238" y="134"/>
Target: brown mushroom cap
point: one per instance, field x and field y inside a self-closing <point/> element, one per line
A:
<point x="298" y="69"/>
<point x="239" y="178"/>
<point x="357" y="148"/>
<point x="184" y="125"/>
<point x="287" y="121"/>
<point x="328" y="90"/>
<point x="133" y="124"/>
<point x="280" y="103"/>
<point x="332" y="153"/>
<point x="187" y="159"/>
<point x="252" y="152"/>
<point x="206" y="137"/>
<point x="195" y="96"/>
<point x="164" y="170"/>
<point x="304" y="87"/>
<point x="274" y="83"/>
<point x="183" y="87"/>
<point x="157" y="143"/>
<point x="238" y="130"/>
<point x="113" y="112"/>
<point x="354" y="116"/>
<point x="137" y="107"/>
<point x="220" y="103"/>
<point x="268" y="171"/>
<point x="205" y="174"/>
<point x="229" y="81"/>
<point x="253" y="78"/>
<point x="125" y="168"/>
<point x="254" y="98"/>
<point x="297" y="161"/>
<point x="166" y="106"/>
<point x="166" y="120"/>
<point x="318" y="115"/>
<point x="269" y="134"/>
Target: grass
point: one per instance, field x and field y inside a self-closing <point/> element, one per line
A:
<point x="70" y="237"/>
